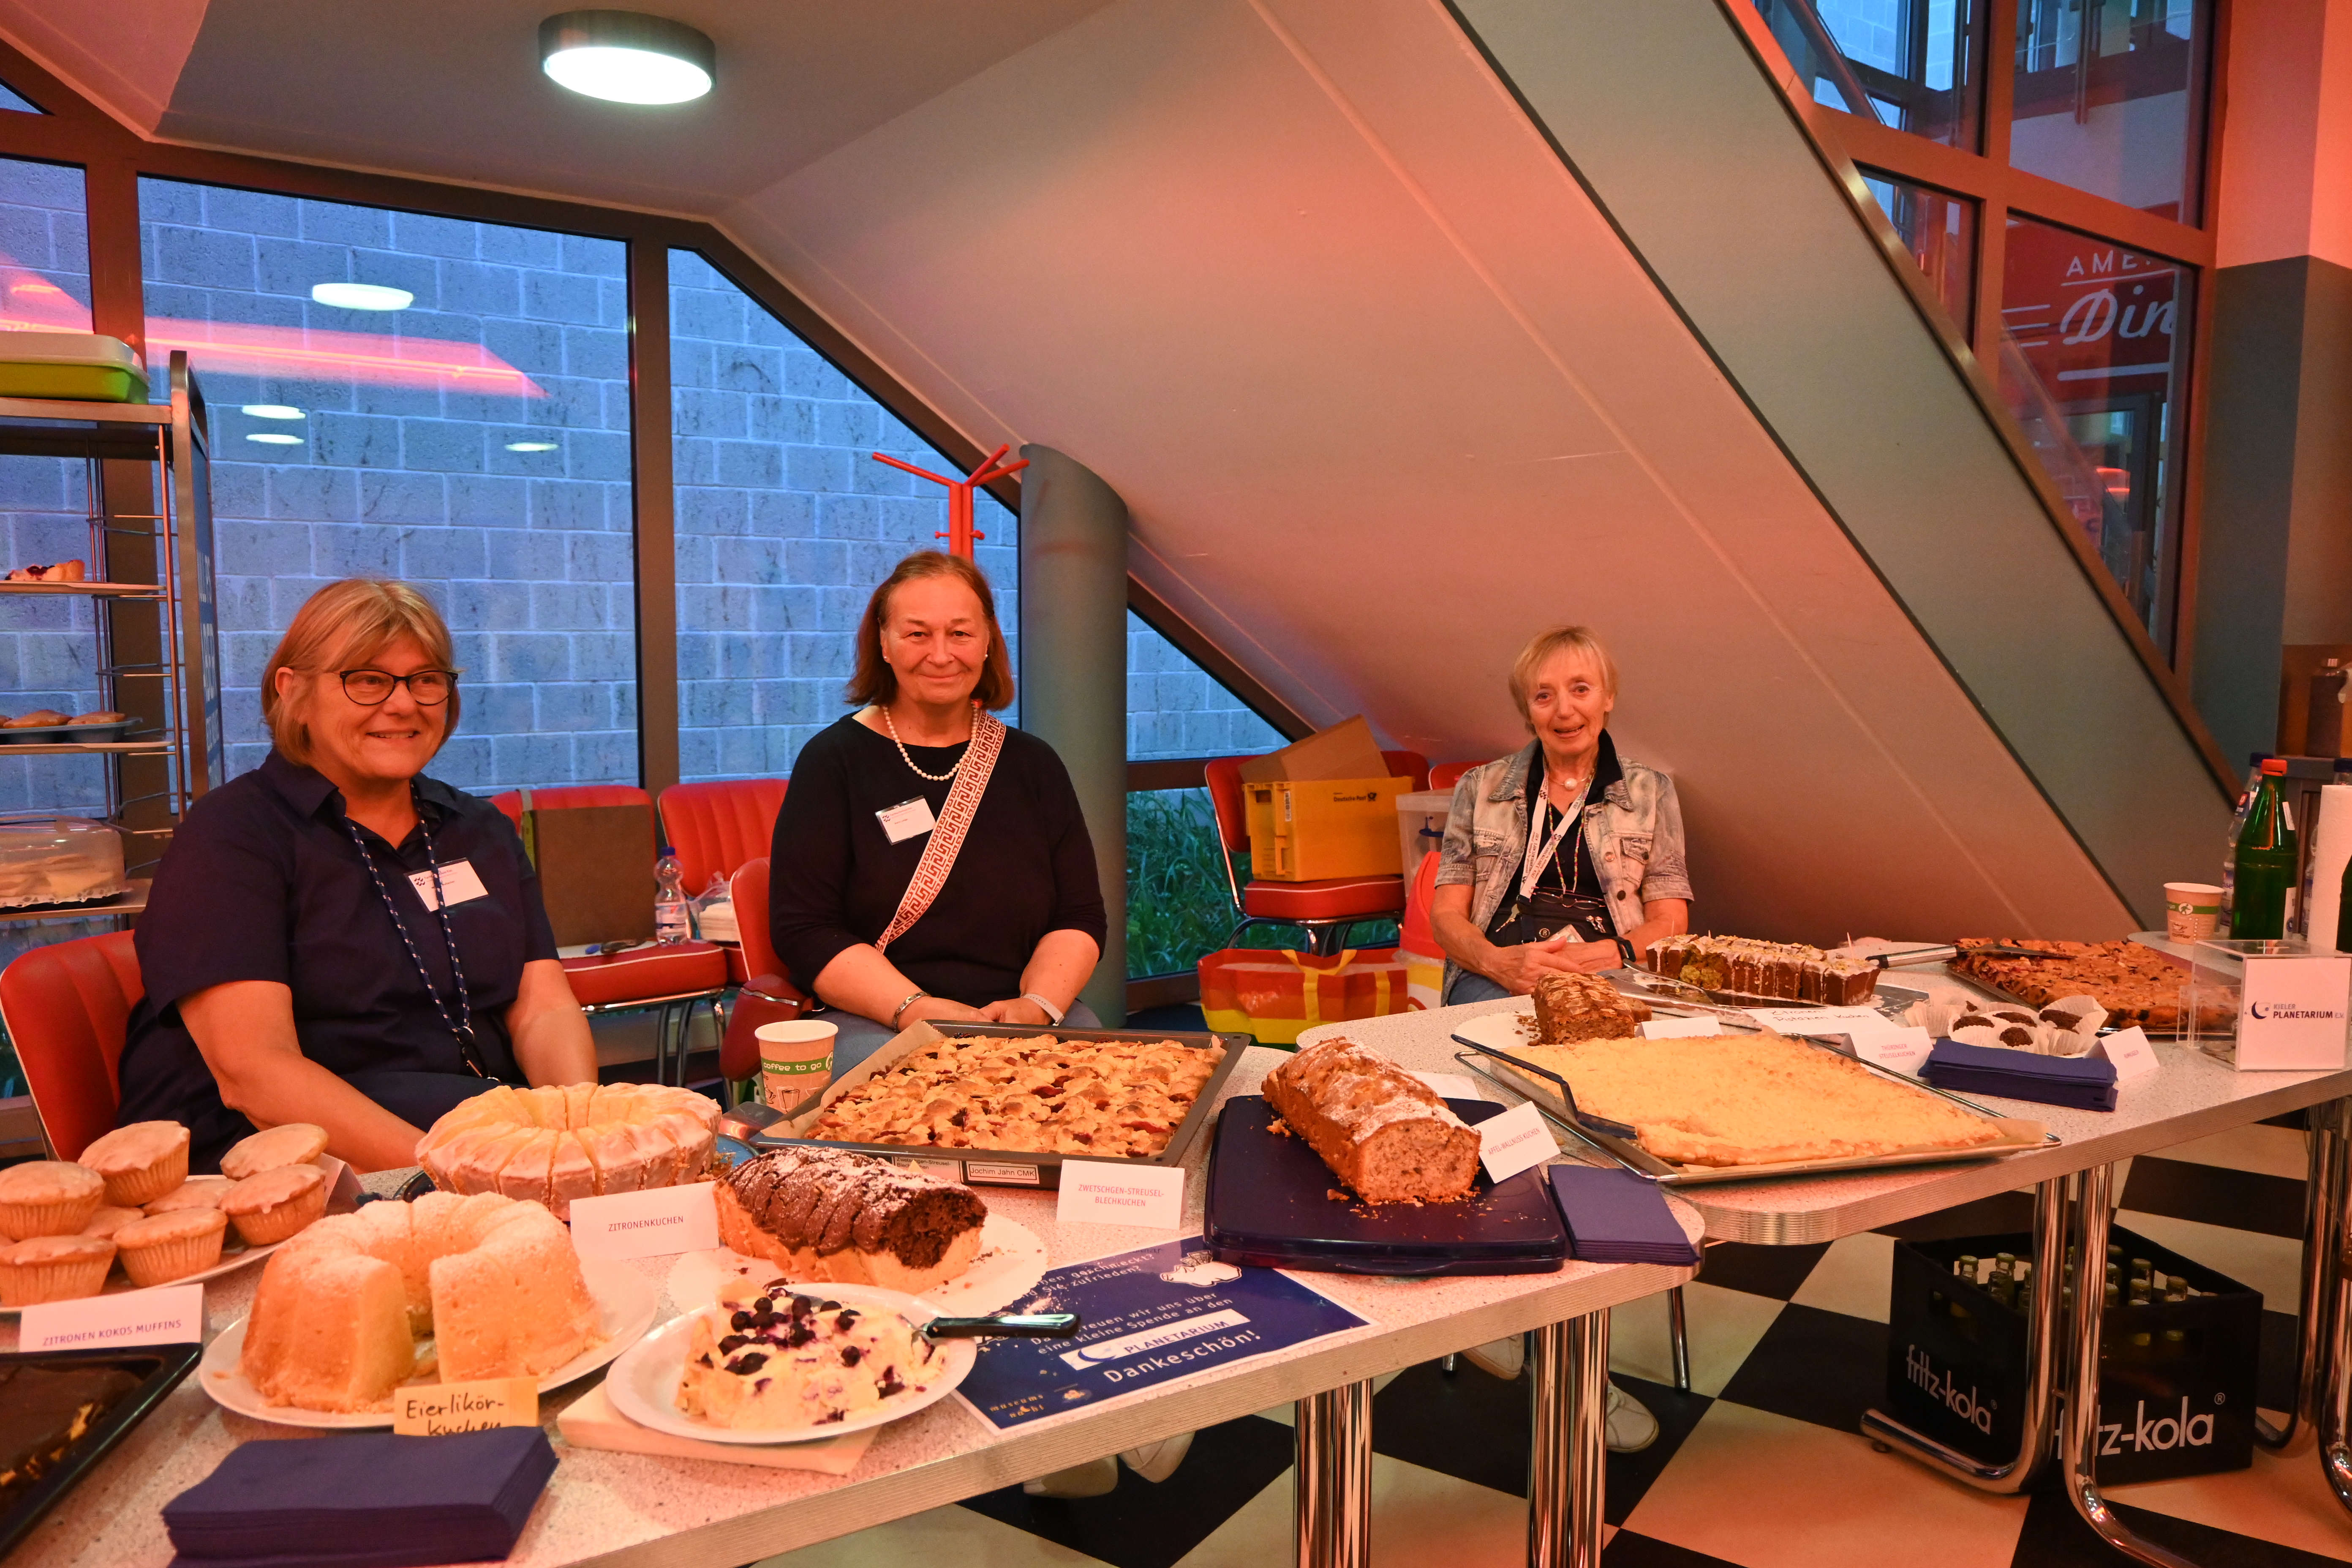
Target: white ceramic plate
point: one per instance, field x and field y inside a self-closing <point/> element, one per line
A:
<point x="626" y="1301"/>
<point x="1010" y="1262"/>
<point x="643" y="1384"/>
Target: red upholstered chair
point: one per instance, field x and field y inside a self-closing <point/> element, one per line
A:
<point x="768" y="997"/>
<point x="66" y="1007"/>
<point x="1445" y="775"/>
<point x="562" y="795"/>
<point x="715" y="828"/>
<point x="1327" y="908"/>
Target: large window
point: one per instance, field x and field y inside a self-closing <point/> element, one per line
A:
<point x="402" y="395"/>
<point x="785" y="522"/>
<point x="2067" y="243"/>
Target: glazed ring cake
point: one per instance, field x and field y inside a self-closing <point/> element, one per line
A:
<point x="1383" y="1131"/>
<point x="839" y="1216"/>
<point x="340" y="1308"/>
<point x="584" y="1140"/>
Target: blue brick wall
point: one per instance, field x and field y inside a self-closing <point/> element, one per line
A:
<point x="528" y="554"/>
<point x="784" y="524"/>
<point x="1176" y="709"/>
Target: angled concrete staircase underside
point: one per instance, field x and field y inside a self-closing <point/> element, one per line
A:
<point x="1402" y="342"/>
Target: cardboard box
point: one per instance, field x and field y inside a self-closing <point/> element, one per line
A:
<point x="1344" y="751"/>
<point x="1309" y="831"/>
<point x="1278" y="995"/>
<point x="596" y="872"/>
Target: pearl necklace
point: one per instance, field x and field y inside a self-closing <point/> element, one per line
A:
<point x="903" y="756"/>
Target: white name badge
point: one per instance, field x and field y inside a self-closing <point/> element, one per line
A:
<point x="1094" y="1193"/>
<point x="166" y="1315"/>
<point x="1516" y="1140"/>
<point x="907" y="819"/>
<point x="646" y="1225"/>
<point x="2129" y="1051"/>
<point x="460" y="885"/>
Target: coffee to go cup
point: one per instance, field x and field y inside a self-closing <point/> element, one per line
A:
<point x="2191" y="910"/>
<point x="795" y="1061"/>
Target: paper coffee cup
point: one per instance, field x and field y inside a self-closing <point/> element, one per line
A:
<point x="795" y="1061"/>
<point x="2191" y="910"/>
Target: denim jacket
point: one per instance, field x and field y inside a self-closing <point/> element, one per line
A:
<point x="1635" y="832"/>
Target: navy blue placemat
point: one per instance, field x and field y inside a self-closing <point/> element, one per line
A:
<point x="1615" y="1216"/>
<point x="2082" y="1083"/>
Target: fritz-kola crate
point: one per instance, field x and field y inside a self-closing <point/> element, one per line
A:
<point x="2177" y="1379"/>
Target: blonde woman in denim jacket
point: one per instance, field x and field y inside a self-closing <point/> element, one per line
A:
<point x="1600" y="889"/>
<point x="1605" y="838"/>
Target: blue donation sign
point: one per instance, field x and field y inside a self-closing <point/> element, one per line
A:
<point x="1151" y="1315"/>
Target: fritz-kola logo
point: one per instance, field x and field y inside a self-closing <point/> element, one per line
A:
<point x="2146" y="1437"/>
<point x="2273" y="1010"/>
<point x="1942" y="1388"/>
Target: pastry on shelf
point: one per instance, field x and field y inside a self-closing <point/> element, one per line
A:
<point x="103" y="716"/>
<point x="63" y="571"/>
<point x="38" y="719"/>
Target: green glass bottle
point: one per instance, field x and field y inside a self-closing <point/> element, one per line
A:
<point x="2263" y="892"/>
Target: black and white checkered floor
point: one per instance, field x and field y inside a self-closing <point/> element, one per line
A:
<point x="1761" y="1465"/>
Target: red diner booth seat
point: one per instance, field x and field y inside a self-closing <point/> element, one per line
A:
<point x="715" y="828"/>
<point x="66" y="1008"/>
<point x="768" y="997"/>
<point x="1327" y="908"/>
<point x="1445" y="775"/>
<point x="562" y="795"/>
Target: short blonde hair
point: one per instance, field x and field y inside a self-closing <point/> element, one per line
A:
<point x="1559" y="639"/>
<point x="341" y="624"/>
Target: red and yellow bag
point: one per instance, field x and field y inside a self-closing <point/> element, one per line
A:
<point x="1276" y="995"/>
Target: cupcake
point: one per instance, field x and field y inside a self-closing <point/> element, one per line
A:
<point x="196" y="1192"/>
<point x="142" y="1160"/>
<point x="53" y="1269"/>
<point x="167" y="1247"/>
<point x="296" y="1143"/>
<point x="48" y="1197"/>
<point x="276" y="1203"/>
<point x="107" y="1221"/>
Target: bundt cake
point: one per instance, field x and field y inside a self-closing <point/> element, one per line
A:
<point x="495" y="1281"/>
<point x="553" y="1144"/>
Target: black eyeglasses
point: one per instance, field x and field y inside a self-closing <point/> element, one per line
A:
<point x="372" y="688"/>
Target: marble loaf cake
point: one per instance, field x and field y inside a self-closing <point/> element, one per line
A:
<point x="1384" y="1132"/>
<point x="833" y="1215"/>
<point x="1573" y="1006"/>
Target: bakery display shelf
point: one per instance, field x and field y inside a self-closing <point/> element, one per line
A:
<point x="159" y="1369"/>
<point x="1551" y="1096"/>
<point x="94" y="590"/>
<point x="1034" y="1168"/>
<point x="130" y="903"/>
<point x="91" y="748"/>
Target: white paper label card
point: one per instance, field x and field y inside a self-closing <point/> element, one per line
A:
<point x="907" y="819"/>
<point x="165" y="1315"/>
<point x="460" y="884"/>
<point x="1903" y="1052"/>
<point x="344" y="1188"/>
<point x="1666" y="1028"/>
<point x="1860" y="1023"/>
<point x="646" y="1225"/>
<point x="1516" y="1140"/>
<point x="2130" y="1052"/>
<point x="1096" y="1193"/>
<point x="1451" y="1085"/>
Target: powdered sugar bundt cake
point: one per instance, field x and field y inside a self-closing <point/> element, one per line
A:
<point x="551" y="1145"/>
<point x="494" y="1280"/>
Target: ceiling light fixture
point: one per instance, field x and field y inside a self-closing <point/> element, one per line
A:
<point x="275" y="438"/>
<point x="625" y="56"/>
<point x="272" y="411"/>
<point x="361" y="295"/>
<point x="531" y="446"/>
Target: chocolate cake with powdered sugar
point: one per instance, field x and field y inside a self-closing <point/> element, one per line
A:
<point x="833" y="1214"/>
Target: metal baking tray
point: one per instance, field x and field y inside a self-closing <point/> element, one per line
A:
<point x="2179" y="1031"/>
<point x="1558" y="1104"/>
<point x="159" y="1368"/>
<point x="1006" y="1167"/>
<point x="1891" y="1000"/>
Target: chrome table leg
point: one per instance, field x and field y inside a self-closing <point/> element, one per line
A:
<point x="2323" y="1242"/>
<point x="1331" y="1489"/>
<point x="2043" y="1330"/>
<point x="1571" y="1447"/>
<point x="2079" y="1433"/>
<point x="1678" y="1333"/>
<point x="2330" y="1336"/>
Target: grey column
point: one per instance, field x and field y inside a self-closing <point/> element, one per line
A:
<point x="1074" y="670"/>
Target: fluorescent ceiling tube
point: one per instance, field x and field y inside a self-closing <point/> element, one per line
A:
<point x="272" y="411"/>
<point x="531" y="446"/>
<point x="275" y="438"/>
<point x="361" y="295"/>
<point x="625" y="56"/>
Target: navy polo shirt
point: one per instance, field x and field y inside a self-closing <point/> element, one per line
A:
<point x="263" y="882"/>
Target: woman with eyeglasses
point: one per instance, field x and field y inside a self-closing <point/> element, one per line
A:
<point x="334" y="938"/>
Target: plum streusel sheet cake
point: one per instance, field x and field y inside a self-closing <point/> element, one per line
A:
<point x="1037" y="1094"/>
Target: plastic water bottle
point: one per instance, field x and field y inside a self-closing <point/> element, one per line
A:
<point x="672" y="923"/>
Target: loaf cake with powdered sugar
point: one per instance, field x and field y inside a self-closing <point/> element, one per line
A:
<point x="1383" y="1131"/>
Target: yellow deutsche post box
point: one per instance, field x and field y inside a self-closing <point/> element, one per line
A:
<point x="1307" y="830"/>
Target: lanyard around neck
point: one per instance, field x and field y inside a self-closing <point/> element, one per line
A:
<point x="1532" y="869"/>
<point x="460" y="1022"/>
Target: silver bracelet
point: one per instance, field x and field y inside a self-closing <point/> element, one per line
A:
<point x="899" y="1011"/>
<point x="1053" y="1015"/>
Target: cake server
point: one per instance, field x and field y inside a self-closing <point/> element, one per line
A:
<point x="1007" y="1325"/>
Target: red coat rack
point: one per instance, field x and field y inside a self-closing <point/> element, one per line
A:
<point x="961" y="534"/>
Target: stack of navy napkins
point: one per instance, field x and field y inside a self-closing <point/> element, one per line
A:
<point x="1615" y="1216"/>
<point x="2084" y="1083"/>
<point x="365" y="1501"/>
